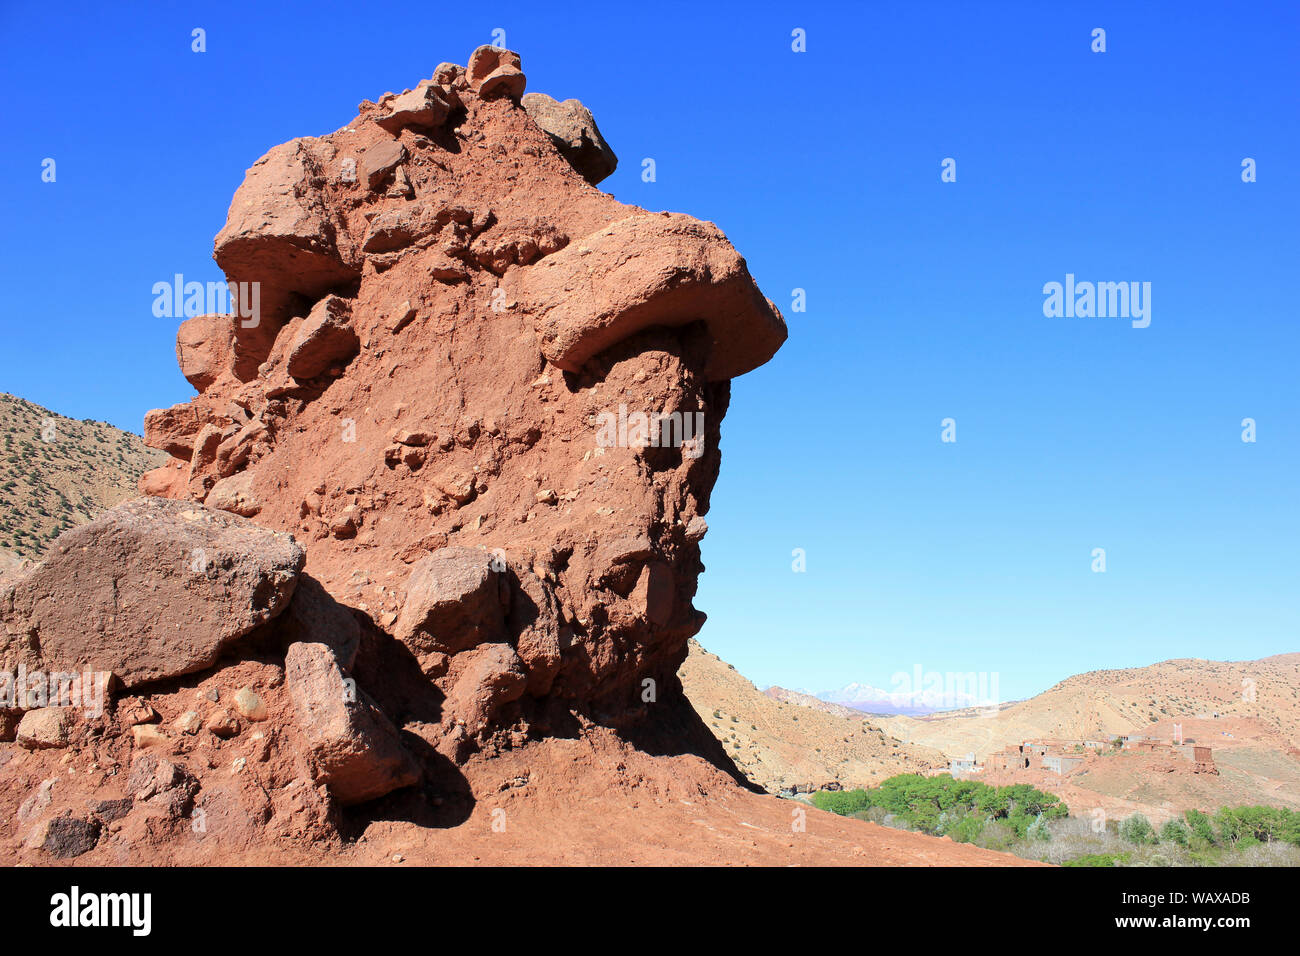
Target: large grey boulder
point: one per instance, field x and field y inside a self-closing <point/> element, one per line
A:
<point x="149" y="590"/>
<point x="573" y="130"/>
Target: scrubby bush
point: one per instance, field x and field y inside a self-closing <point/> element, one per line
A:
<point x="1174" y="831"/>
<point x="843" y="802"/>
<point x="1137" y="829"/>
<point x="967" y="828"/>
<point x="1202" y="830"/>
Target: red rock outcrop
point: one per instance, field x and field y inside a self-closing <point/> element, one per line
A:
<point x="354" y="748"/>
<point x="483" y="397"/>
<point x="449" y="313"/>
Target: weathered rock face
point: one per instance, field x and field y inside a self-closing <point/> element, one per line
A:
<point x="205" y="350"/>
<point x="473" y="405"/>
<point x="151" y="589"/>
<point x="452" y="396"/>
<point x="646" y="271"/>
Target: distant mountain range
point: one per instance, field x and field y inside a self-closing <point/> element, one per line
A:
<point x="874" y="700"/>
<point x="1247" y="712"/>
<point x="867" y="699"/>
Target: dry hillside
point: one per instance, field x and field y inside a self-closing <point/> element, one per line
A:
<point x="1254" y="767"/>
<point x="56" y="473"/>
<point x="785" y="746"/>
<point x="1105" y="703"/>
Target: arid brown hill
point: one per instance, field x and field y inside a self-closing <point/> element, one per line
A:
<point x="1102" y="704"/>
<point x="786" y="746"/>
<point x="57" y="473"/>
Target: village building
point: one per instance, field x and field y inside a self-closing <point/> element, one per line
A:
<point x="1063" y="756"/>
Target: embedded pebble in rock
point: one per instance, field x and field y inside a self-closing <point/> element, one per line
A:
<point x="187" y="723"/>
<point x="141" y="714"/>
<point x="110" y="811"/>
<point x="249" y="704"/>
<point x="37" y="802"/>
<point x="45" y="728"/>
<point x="222" y="723"/>
<point x="64" y="837"/>
<point x="150" y="735"/>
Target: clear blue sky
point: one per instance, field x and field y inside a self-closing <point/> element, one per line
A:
<point x="924" y="298"/>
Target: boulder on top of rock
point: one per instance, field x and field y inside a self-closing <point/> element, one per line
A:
<point x="573" y="130"/>
<point x="425" y="106"/>
<point x="451" y="75"/>
<point x="151" y="589"/>
<point x="176" y="429"/>
<point x="234" y="494"/>
<point x="381" y="159"/>
<point x="205" y="349"/>
<point x="453" y="601"/>
<point x="646" y="270"/>
<point x="166" y="481"/>
<point x="282" y="235"/>
<point x="353" y="748"/>
<point x="325" y="339"/>
<point x="494" y="72"/>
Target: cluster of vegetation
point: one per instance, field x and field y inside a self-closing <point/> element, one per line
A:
<point x="942" y="806"/>
<point x="1232" y="836"/>
<point x="1236" y="828"/>
<point x="1030" y="823"/>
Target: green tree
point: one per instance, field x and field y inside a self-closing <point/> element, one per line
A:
<point x="1137" y="829"/>
<point x="1174" y="831"/>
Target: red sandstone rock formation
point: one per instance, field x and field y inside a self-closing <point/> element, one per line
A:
<point x="448" y="308"/>
<point x="447" y="312"/>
